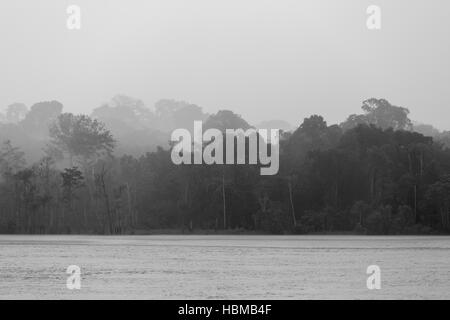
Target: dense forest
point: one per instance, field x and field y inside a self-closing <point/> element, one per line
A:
<point x="111" y="173"/>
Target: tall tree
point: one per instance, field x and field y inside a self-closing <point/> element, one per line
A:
<point x="80" y="139"/>
<point x="380" y="113"/>
<point x="40" y="116"/>
<point x="16" y="112"/>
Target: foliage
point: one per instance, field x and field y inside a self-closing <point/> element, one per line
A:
<point x="369" y="176"/>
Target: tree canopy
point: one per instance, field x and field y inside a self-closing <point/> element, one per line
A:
<point x="369" y="175"/>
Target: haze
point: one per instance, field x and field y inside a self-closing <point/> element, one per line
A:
<point x="263" y="59"/>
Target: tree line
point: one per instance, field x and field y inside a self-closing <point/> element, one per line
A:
<point x="372" y="174"/>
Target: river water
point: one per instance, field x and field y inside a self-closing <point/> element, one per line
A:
<point x="224" y="267"/>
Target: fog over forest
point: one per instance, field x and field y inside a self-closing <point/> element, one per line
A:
<point x="299" y="57"/>
<point x="111" y="172"/>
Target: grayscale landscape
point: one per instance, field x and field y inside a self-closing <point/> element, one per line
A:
<point x="224" y="149"/>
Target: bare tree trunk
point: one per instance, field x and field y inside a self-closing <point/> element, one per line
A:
<point x="51" y="219"/>
<point x="63" y="217"/>
<point x="410" y="162"/>
<point x="445" y="217"/>
<point x="108" y="210"/>
<point x="130" y="212"/>
<point x="135" y="211"/>
<point x="85" y="217"/>
<point x="421" y="163"/>
<point x="336" y="194"/>
<point x="224" y="201"/>
<point x="372" y="186"/>
<point x="448" y="217"/>
<point x="186" y="203"/>
<point x="292" y="202"/>
<point x="106" y="199"/>
<point x="442" y="212"/>
<point x="415" y="203"/>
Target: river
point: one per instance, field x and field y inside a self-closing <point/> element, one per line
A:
<point x="224" y="267"/>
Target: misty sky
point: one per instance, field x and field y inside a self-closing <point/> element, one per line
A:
<point x="263" y="59"/>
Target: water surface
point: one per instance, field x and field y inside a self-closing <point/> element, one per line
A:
<point x="224" y="267"/>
